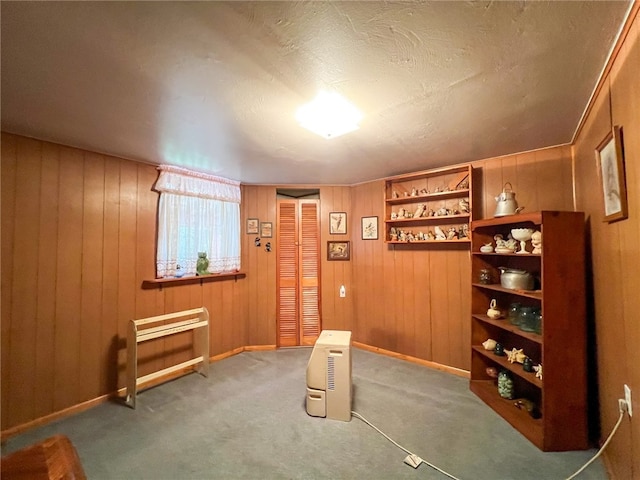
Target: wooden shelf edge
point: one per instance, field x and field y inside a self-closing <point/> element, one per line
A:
<point x="535" y="218"/>
<point x="439" y="219"/>
<point x="518" y="255"/>
<point x="504" y="324"/>
<point x="428" y="242"/>
<point x="174" y="282"/>
<point x="535" y="294"/>
<point x="463" y="192"/>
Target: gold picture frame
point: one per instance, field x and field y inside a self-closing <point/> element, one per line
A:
<point x="610" y="160"/>
<point x="338" y="250"/>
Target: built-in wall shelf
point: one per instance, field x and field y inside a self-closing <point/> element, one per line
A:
<point x="429" y="207"/>
<point x="189" y="280"/>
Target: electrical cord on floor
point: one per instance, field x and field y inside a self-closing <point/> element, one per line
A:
<point x="604" y="445"/>
<point x="412" y="459"/>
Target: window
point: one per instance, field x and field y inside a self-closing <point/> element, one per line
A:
<point x="197" y="213"/>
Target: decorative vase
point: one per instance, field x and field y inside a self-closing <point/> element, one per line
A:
<point x="485" y="276"/>
<point x="514" y="313"/>
<point x="526" y="319"/>
<point x="505" y="384"/>
<point x="202" y="264"/>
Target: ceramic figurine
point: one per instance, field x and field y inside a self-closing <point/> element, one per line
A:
<point x="419" y="211"/>
<point x="396" y="194"/>
<point x="440" y="235"/>
<point x="414" y="192"/>
<point x="493" y="311"/>
<point x="538" y="370"/>
<point x="179" y="271"/>
<point x="489" y="344"/>
<point x="430" y="235"/>
<point x="394" y="215"/>
<point x="492" y="372"/>
<point x="464" y="205"/>
<point x="464" y="230"/>
<point x="487" y="248"/>
<point x="536" y="242"/>
<point x="202" y="265"/>
<point x="452" y="233"/>
<point x="424" y="191"/>
<point x="512" y="354"/>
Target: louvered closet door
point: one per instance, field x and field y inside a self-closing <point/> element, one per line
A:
<point x="298" y="272"/>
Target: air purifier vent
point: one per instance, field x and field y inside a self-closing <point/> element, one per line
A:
<point x="331" y="372"/>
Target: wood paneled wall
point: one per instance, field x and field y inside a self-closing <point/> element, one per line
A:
<point x="260" y="202"/>
<point x="78" y="238"/>
<point x="615" y="255"/>
<point x="415" y="299"/>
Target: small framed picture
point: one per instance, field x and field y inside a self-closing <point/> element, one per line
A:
<point x="252" y="225"/>
<point x="338" y="250"/>
<point x="338" y="223"/>
<point x="266" y="229"/>
<point x="369" y="228"/>
<point x="610" y="159"/>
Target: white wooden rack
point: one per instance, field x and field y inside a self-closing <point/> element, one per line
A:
<point x="196" y="319"/>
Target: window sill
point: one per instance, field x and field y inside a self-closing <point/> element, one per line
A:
<point x="174" y="282"/>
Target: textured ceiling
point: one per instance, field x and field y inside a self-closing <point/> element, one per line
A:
<point x="214" y="86"/>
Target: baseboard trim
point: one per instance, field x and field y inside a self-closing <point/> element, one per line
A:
<point x="120" y="393"/>
<point x="425" y="363"/>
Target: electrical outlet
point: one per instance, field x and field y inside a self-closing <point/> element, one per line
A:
<point x="627" y="398"/>
<point x="343" y="291"/>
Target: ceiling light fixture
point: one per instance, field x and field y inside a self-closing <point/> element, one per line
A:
<point x="329" y="115"/>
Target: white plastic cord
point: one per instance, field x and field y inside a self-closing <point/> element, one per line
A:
<point x="578" y="472"/>
<point x="604" y="445"/>
<point x="357" y="415"/>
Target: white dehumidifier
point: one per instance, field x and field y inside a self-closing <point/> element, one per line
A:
<point x="329" y="376"/>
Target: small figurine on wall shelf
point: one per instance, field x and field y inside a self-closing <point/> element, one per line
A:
<point x="202" y="264"/>
<point x="536" y="242"/>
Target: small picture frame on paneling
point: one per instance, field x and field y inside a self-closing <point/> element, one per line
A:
<point x="338" y="223"/>
<point x="610" y="158"/>
<point x="338" y="250"/>
<point x="369" y="228"/>
<point x="266" y="229"/>
<point x="252" y="226"/>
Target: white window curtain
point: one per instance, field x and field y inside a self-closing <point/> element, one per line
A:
<point x="197" y="213"/>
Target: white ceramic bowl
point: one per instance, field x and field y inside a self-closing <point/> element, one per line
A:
<point x="522" y="234"/>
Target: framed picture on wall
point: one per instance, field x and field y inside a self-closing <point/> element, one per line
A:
<point x="338" y="250"/>
<point x="338" y="223"/>
<point x="266" y="229"/>
<point x="610" y="159"/>
<point x="369" y="228"/>
<point x="252" y="225"/>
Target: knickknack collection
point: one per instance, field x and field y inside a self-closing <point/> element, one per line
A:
<point x="432" y="206"/>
